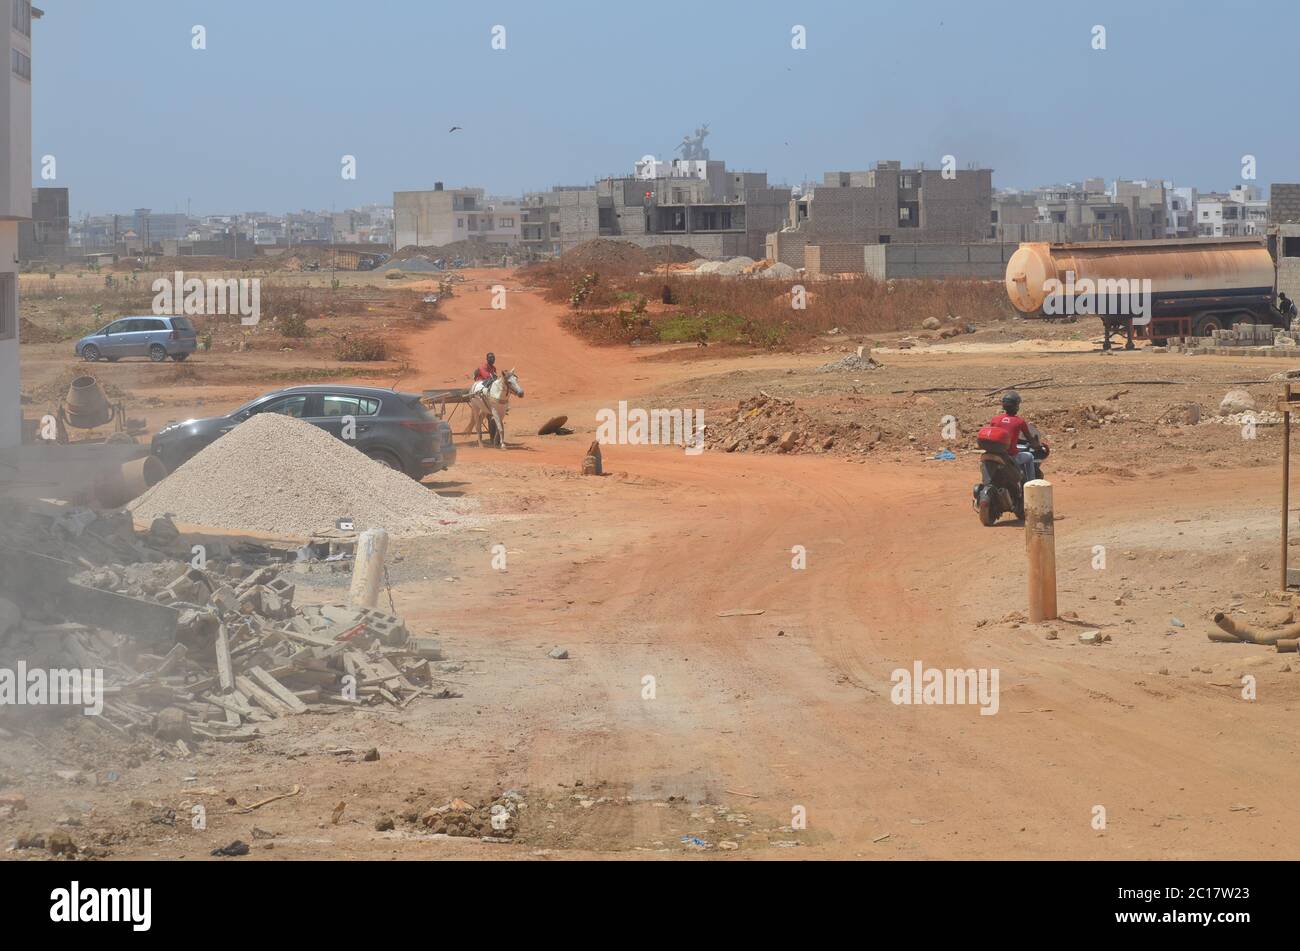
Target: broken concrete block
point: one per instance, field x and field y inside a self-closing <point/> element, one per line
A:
<point x="283" y="588"/>
<point x="193" y="587"/>
<point x="197" y="627"/>
<point x="224" y="599"/>
<point x="428" y="648"/>
<point x="172" y="723"/>
<point x="259" y="576"/>
<point x="390" y="630"/>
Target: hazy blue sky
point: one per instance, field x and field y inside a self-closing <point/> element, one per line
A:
<point x="285" y="88"/>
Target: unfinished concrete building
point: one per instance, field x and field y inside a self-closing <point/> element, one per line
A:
<point x="1284" y="236"/>
<point x="440" y="216"/>
<point x="829" y="228"/>
<point x="695" y="203"/>
<point x="45" y="237"/>
<point x="1128" y="211"/>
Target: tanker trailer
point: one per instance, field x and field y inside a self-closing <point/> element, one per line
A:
<point x="1172" y="288"/>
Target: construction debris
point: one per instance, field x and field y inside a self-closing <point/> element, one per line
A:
<point x="1284" y="638"/>
<point x="241" y="652"/>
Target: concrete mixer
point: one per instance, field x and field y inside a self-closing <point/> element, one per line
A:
<point x="1187" y="287"/>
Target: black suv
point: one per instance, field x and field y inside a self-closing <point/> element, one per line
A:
<point x="393" y="428"/>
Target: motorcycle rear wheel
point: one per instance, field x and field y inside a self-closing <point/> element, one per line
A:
<point x="988" y="515"/>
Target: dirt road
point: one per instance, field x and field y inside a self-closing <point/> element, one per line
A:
<point x="791" y="708"/>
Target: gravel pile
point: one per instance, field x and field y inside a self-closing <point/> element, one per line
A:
<point x="851" y="363"/>
<point x="280" y="476"/>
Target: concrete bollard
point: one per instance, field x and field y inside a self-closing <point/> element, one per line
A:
<point x="368" y="568"/>
<point x="1040" y="546"/>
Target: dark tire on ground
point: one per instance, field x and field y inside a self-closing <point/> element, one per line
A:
<point x="157" y="353"/>
<point x="987" y="517"/>
<point x="90" y="353"/>
<point x="179" y="357"/>
<point x="1206" y="324"/>
<point x="385" y="458"/>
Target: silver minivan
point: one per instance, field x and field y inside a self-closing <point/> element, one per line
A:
<point x="154" y="337"/>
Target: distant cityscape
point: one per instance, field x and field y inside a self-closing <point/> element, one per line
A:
<point x="835" y="225"/>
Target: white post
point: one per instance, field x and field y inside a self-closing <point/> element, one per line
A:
<point x="1040" y="546"/>
<point x="368" y="568"/>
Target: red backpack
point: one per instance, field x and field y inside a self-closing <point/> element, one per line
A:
<point x="994" y="438"/>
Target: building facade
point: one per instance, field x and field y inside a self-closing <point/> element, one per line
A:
<point x="440" y="216"/>
<point x="15" y="201"/>
<point x="45" y="237"/>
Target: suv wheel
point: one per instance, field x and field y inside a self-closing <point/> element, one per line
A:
<point x="157" y="353"/>
<point x="385" y="458"/>
<point x="90" y="353"/>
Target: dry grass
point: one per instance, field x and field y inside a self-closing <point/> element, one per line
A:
<point x="759" y="312"/>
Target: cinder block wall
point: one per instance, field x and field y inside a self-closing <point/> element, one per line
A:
<point x="787" y="247"/>
<point x="826" y="259"/>
<point x="982" y="261"/>
<point x="1283" y="204"/>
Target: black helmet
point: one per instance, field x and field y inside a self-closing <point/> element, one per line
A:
<point x="492" y="358"/>
<point x="1011" y="402"/>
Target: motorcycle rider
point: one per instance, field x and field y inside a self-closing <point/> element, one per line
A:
<point x="1017" y="429"/>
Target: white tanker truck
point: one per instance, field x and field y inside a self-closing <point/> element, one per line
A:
<point x="1187" y="287"/>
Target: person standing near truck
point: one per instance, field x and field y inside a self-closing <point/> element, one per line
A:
<point x="1286" y="307"/>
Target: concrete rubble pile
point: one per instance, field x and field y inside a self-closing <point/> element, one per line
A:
<point x="235" y="650"/>
<point x="245" y="654"/>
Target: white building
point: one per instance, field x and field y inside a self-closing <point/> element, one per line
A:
<point x="15" y="200"/>
<point x="1180" y="211"/>
<point x="1239" y="213"/>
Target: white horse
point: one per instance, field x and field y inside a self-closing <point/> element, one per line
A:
<point x="490" y="403"/>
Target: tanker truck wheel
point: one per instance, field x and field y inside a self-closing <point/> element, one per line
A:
<point x="1206" y="324"/>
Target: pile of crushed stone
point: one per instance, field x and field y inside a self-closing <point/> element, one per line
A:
<point x="281" y="476"/>
<point x="852" y="363"/>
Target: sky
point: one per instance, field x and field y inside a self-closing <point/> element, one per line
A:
<point x="262" y="117"/>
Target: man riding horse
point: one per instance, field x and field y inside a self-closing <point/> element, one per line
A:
<point x="488" y="371"/>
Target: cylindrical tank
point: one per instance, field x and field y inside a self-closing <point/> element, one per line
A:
<point x="86" y="406"/>
<point x="1185" y="274"/>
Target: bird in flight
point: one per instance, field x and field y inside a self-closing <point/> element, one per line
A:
<point x="454" y="128"/>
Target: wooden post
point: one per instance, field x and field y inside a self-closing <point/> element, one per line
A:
<point x="1286" y="479"/>
<point x="368" y="569"/>
<point x="1040" y="546"/>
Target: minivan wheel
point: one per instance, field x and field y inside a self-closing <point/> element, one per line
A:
<point x="178" y="357"/>
<point x="157" y="353"/>
<point x="90" y="353"/>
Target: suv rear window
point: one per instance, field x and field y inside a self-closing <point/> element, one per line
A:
<point x="182" y="323"/>
<point x="346" y="405"/>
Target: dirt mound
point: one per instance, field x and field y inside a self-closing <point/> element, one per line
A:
<point x="29" y="332"/>
<point x="766" y="423"/>
<point x="612" y="257"/>
<point x="471" y="252"/>
<point x="281" y="476"/>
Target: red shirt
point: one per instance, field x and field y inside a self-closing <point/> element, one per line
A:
<point x="486" y="372"/>
<point x="1014" y="425"/>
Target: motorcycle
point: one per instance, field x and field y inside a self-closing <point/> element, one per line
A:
<point x="1001" y="489"/>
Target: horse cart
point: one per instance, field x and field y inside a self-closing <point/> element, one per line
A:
<point x="486" y="406"/>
